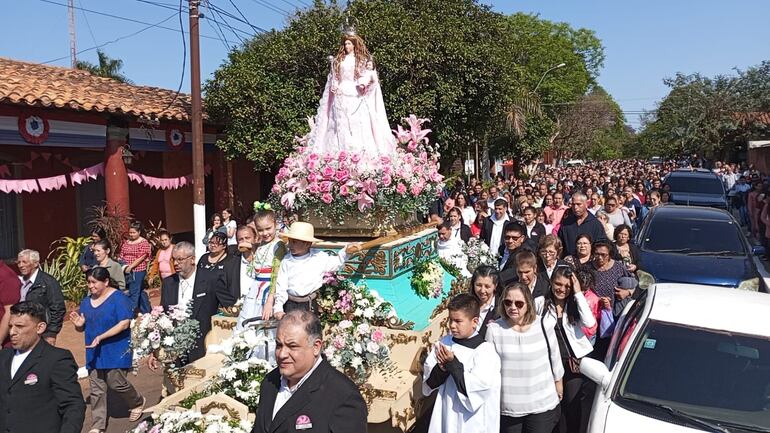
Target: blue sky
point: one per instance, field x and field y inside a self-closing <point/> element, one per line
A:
<point x="645" y="41"/>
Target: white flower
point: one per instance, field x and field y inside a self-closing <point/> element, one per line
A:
<point x="369" y="313"/>
<point x="168" y="341"/>
<point x="372" y="347"/>
<point x="363" y="329"/>
<point x="355" y="362"/>
<point x="345" y="324"/>
<point x="357" y="347"/>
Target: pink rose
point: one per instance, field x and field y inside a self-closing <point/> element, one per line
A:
<point x="344" y="190"/>
<point x="386" y="180"/>
<point x="312" y="177"/>
<point x="342" y="156"/>
<point x="312" y="165"/>
<point x="342" y="176"/>
<point x="314" y="188"/>
<point x="401" y="188"/>
<point x="378" y="336"/>
<point x="328" y="158"/>
<point x="387" y="169"/>
<point x="355" y="158"/>
<point x="417" y="189"/>
<point x="276" y="189"/>
<point x="385" y="160"/>
<point x="326" y="186"/>
<point x="327" y="198"/>
<point x="313" y="157"/>
<point x="327" y="172"/>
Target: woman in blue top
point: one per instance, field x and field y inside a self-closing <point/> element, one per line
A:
<point x="105" y="317"/>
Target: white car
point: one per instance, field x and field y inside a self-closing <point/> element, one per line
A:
<point x="685" y="358"/>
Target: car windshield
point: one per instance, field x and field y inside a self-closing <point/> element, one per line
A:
<point x="716" y="376"/>
<point x="693" y="236"/>
<point x="694" y="184"/>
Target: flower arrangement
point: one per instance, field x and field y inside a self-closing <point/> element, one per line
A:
<point x="240" y="346"/>
<point x="241" y="380"/>
<point x="167" y="335"/>
<point x="357" y="349"/>
<point x="478" y="254"/>
<point x="340" y="184"/>
<point x="428" y="279"/>
<point x="341" y="299"/>
<point x="192" y="422"/>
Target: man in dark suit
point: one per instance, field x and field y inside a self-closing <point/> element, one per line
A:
<point x="305" y="392"/>
<point x="204" y="291"/>
<point x="526" y="271"/>
<point x="535" y="230"/>
<point x="39" y="390"/>
<point x="515" y="241"/>
<point x="38" y="286"/>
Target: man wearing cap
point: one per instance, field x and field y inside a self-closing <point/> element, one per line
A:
<point x="302" y="270"/>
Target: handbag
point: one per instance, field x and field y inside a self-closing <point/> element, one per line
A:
<point x="572" y="361"/>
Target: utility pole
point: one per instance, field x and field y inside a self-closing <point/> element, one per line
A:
<point x="73" y="48"/>
<point x="199" y="191"/>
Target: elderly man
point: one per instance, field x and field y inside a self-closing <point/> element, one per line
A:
<point x="38" y="286"/>
<point x="202" y="292"/>
<point x="305" y="392"/>
<point x="40" y="391"/>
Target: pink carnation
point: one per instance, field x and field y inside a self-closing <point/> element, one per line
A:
<point x="417" y="188"/>
<point x="327" y="198"/>
<point x="401" y="188"/>
<point x="339" y="342"/>
<point x="378" y="336"/>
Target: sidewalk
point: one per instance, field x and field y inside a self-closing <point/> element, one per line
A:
<point x="148" y="383"/>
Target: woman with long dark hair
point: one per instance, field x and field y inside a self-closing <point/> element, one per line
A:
<point x="565" y="310"/>
<point x="105" y="317"/>
<point x="486" y="286"/>
<point x="134" y="254"/>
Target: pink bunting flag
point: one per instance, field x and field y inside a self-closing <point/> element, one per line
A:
<point x="52" y="183"/>
<point x="46" y="155"/>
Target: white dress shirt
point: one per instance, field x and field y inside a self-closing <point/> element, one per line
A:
<point x="247" y="278"/>
<point x="26" y="284"/>
<point x="497" y="232"/>
<point x="186" y="286"/>
<point x="18" y="359"/>
<point x="285" y="392"/>
<point x="301" y="276"/>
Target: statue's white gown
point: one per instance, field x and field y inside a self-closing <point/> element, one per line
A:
<point x="352" y="119"/>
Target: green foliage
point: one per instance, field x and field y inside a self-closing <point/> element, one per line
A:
<point x="62" y="264"/>
<point x="107" y="67"/>
<point x="454" y="61"/>
<point x="189" y="401"/>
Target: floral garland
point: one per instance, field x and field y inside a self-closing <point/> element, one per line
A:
<point x="192" y="422"/>
<point x="167" y="335"/>
<point x="428" y="279"/>
<point x="478" y="254"/>
<point x="337" y="185"/>
<point x="352" y="312"/>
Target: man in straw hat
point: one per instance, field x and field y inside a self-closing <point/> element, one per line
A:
<point x="301" y="272"/>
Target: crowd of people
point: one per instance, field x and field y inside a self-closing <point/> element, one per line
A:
<point x="566" y="269"/>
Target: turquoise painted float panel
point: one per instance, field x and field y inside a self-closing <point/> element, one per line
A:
<point x="388" y="270"/>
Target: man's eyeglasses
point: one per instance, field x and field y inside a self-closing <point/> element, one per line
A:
<point x="518" y="304"/>
<point x="513" y="238"/>
<point x="180" y="259"/>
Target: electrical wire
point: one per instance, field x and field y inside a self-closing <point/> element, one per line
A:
<point x="184" y="61"/>
<point x="233" y="30"/>
<point x="85" y="17"/>
<point x="123" y="18"/>
<point x="224" y="12"/>
<point x="96" y="47"/>
<point x="221" y="32"/>
<point x="273" y="8"/>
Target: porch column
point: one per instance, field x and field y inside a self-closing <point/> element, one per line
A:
<point x="115" y="176"/>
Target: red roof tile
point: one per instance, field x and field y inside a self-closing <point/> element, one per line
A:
<point x="52" y="86"/>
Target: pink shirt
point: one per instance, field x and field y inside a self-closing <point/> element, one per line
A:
<point x="164" y="263"/>
<point x="555" y="215"/>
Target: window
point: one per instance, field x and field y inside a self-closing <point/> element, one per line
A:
<point x="695" y="184"/>
<point x="693" y="235"/>
<point x="625" y="328"/>
<point x="9" y="229"/>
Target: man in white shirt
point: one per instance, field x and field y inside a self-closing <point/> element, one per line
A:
<point x="305" y="392"/>
<point x="302" y="271"/>
<point x="493" y="227"/>
<point x="450" y="250"/>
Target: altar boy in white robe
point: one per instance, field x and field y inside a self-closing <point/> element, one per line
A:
<point x="466" y="371"/>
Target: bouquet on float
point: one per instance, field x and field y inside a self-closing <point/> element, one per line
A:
<point x="478" y="254"/>
<point x="428" y="279"/>
<point x="240" y="346"/>
<point x="341" y="299"/>
<point x="192" y="422"/>
<point x="168" y="335"/>
<point x="343" y="183"/>
<point x="357" y="350"/>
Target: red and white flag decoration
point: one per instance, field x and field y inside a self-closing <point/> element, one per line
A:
<point x="33" y="129"/>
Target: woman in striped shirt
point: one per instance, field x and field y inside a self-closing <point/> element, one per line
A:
<point x="531" y="365"/>
<point x="134" y="254"/>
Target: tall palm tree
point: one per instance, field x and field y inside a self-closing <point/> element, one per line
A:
<point x="524" y="105"/>
<point x="107" y="67"/>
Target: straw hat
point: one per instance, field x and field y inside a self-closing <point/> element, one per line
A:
<point x="301" y="231"/>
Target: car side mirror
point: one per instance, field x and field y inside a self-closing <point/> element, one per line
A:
<point x="758" y="250"/>
<point x="596" y="371"/>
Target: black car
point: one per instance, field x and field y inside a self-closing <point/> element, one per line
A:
<point x="698" y="245"/>
<point x="696" y="187"/>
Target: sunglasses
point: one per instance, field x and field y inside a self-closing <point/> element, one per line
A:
<point x="508" y="303"/>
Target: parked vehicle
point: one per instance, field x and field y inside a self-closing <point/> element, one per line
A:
<point x="698" y="245"/>
<point x="685" y="358"/>
<point x="696" y="187"/>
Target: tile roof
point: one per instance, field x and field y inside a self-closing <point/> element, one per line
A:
<point x="753" y="117"/>
<point x="53" y="86"/>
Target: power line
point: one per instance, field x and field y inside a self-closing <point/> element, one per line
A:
<point x="169" y="6"/>
<point x="124" y="18"/>
<point x="221" y="32"/>
<point x="273" y="8"/>
<point x="302" y="2"/>
<point x="184" y="60"/>
<point x="85" y="17"/>
<point x="96" y="47"/>
<point x="224" y="12"/>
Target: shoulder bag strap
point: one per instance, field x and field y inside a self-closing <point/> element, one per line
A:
<point x="545" y="336"/>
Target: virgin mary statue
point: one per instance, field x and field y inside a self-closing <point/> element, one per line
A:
<point x="351" y="115"/>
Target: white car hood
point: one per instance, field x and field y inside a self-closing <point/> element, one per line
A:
<point x="620" y="420"/>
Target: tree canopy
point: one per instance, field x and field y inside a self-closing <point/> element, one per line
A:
<point x="455" y="62"/>
<point x="107" y="67"/>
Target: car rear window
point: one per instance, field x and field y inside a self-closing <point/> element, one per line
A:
<point x="693" y="184"/>
<point x="689" y="235"/>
